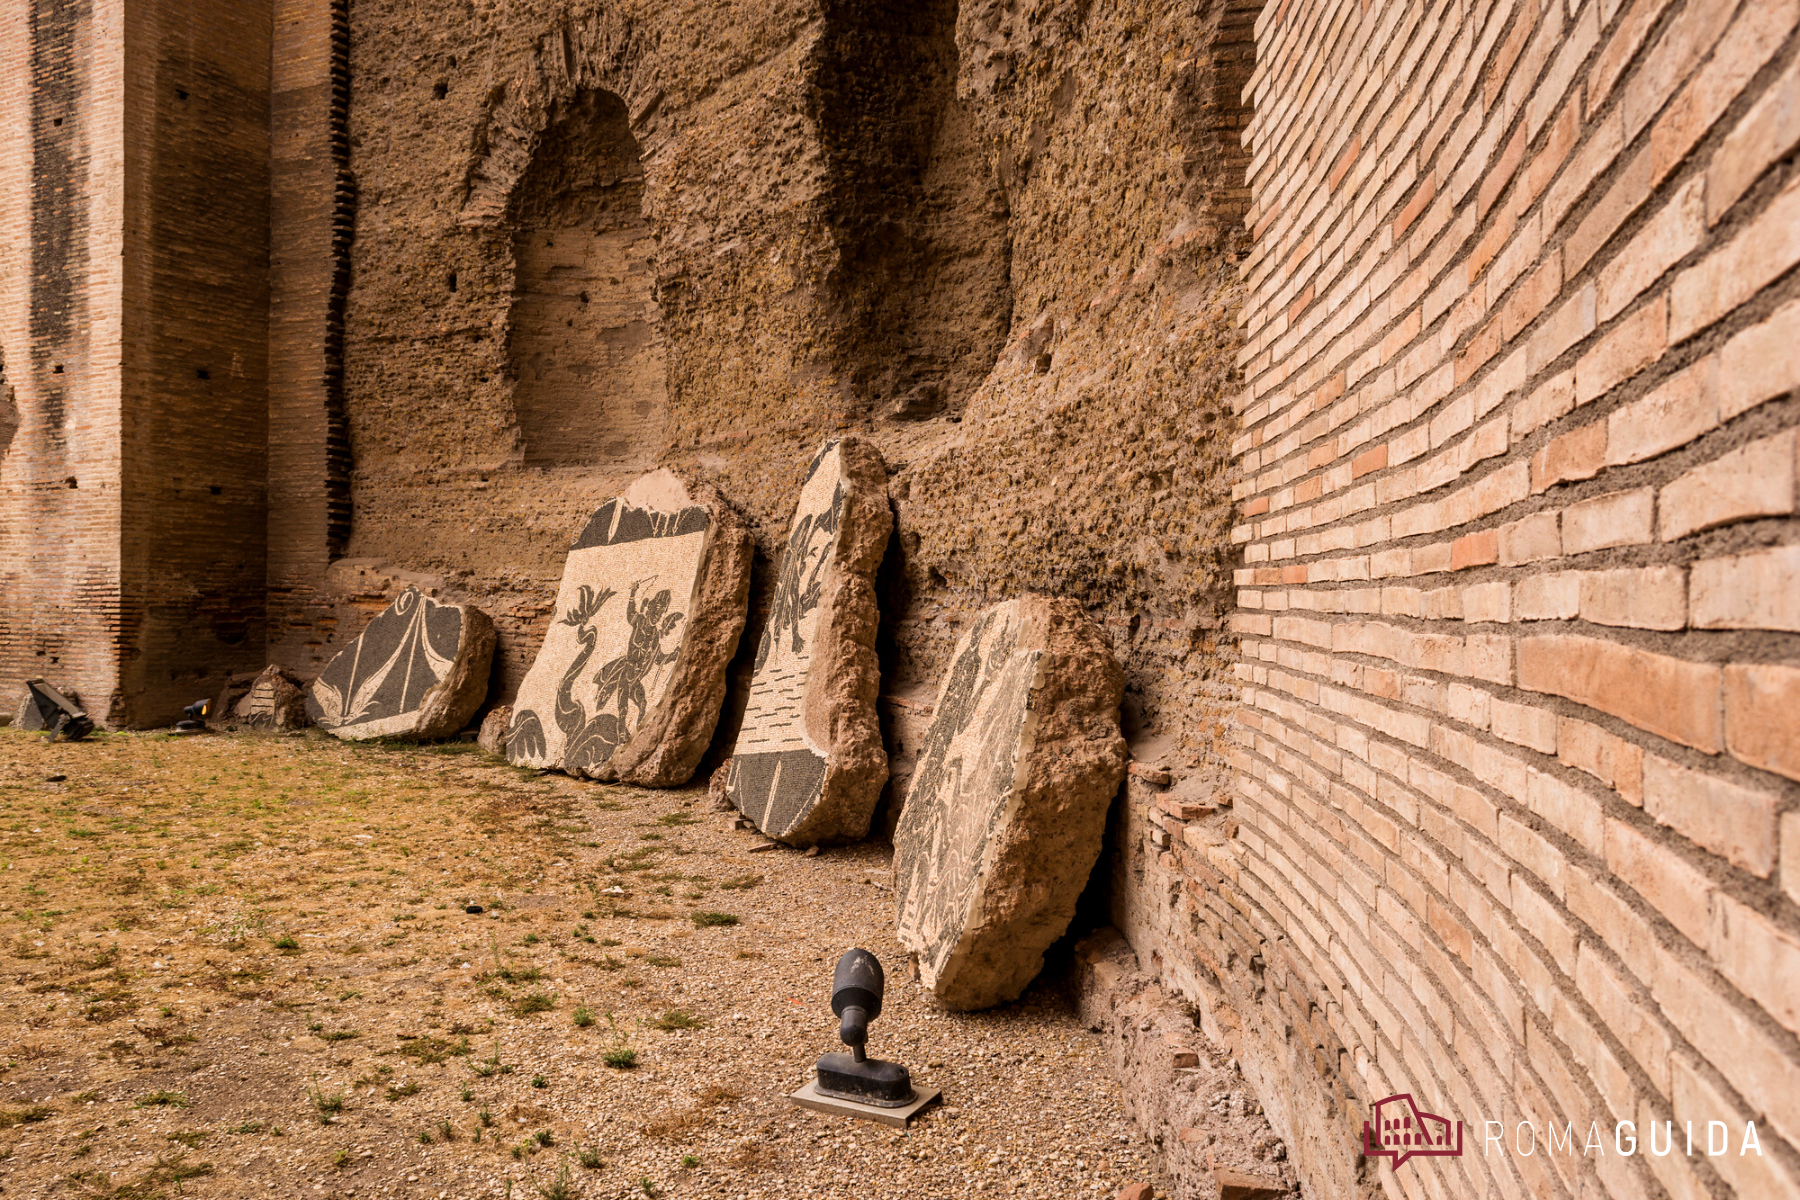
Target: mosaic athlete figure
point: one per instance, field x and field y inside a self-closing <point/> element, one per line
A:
<point x="624" y="676"/>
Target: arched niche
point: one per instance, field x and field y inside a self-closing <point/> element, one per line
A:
<point x="586" y="345"/>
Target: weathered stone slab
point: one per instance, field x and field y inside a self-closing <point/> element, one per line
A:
<point x="631" y="676"/>
<point x="419" y="671"/>
<point x="1006" y="809"/>
<point x="273" y="702"/>
<point x="492" y="735"/>
<point x="808" y="766"/>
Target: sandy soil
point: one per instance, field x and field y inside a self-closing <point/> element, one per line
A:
<point x="237" y="966"/>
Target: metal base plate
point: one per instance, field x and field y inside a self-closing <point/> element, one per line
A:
<point x="808" y="1097"/>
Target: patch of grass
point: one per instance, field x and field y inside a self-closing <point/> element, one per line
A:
<point x="191" y="1138"/>
<point x="149" y="1186"/>
<point x="677" y="1018"/>
<point x="589" y="1157"/>
<point x="447" y="1131"/>
<point x="679" y="1126"/>
<point x="689" y="1162"/>
<point x="326" y="1106"/>
<point x="677" y="818"/>
<point x="583" y="1017"/>
<point x="488" y="1068"/>
<point x="164" y="1099"/>
<point x="544" y="1137"/>
<point x="622" y="1058"/>
<point x="340" y="1035"/>
<point x="10" y="1117"/>
<point x="434" y="1050"/>
<point x="538" y="1081"/>
<point x="560" y="1188"/>
<point x="534" y="1002"/>
<point x="707" y="920"/>
<point x="99" y="960"/>
<point x="400" y="1091"/>
<point x="741" y="883"/>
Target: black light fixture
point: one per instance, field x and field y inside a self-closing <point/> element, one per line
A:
<point x="855" y="1085"/>
<point x="856" y="989"/>
<point x="193" y="717"/>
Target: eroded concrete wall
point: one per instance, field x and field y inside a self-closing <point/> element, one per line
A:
<point x="1004" y="246"/>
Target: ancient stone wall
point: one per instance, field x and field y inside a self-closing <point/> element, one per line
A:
<point x="194" y="404"/>
<point x="311" y="219"/>
<point x="133" y="336"/>
<point x="1515" y="825"/>
<point x="1003" y="247"/>
<point x="61" y="227"/>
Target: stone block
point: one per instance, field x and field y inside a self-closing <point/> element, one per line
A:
<point x="418" y="672"/>
<point x="809" y="765"/>
<point x="273" y="702"/>
<point x="492" y="735"/>
<point x="1004" y="816"/>
<point x="45" y="707"/>
<point x="631" y="676"/>
<point x="1235" y="1185"/>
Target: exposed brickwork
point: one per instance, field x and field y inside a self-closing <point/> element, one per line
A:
<point x="132" y="517"/>
<point x="60" y="240"/>
<point x="1517" y="602"/>
<point x="194" y="407"/>
<point x="311" y="221"/>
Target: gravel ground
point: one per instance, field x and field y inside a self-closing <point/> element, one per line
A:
<point x="236" y="966"/>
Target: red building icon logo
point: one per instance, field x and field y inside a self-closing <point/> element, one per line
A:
<point x="1400" y="1131"/>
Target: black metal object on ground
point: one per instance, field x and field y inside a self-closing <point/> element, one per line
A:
<point x="856" y="989"/>
<point x="58" y="715"/>
<point x="193" y="717"/>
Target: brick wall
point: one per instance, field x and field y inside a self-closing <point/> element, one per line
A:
<point x="61" y="203"/>
<point x="194" y="392"/>
<point x="134" y="165"/>
<point x="311" y="217"/>
<point x="1515" y="820"/>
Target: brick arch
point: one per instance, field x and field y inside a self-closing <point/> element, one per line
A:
<point x="593" y="53"/>
<point x="585" y="345"/>
<point x="555" y="172"/>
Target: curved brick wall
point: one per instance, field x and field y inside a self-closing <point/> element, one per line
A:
<point x="1515" y="770"/>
